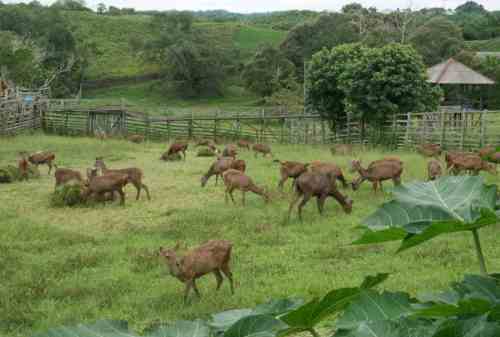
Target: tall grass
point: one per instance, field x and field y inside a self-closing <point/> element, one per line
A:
<point x="68" y="265"/>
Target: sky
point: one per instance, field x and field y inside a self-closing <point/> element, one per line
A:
<point x="249" y="6"/>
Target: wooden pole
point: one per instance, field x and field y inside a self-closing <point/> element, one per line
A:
<point x="462" y="136"/>
<point x="323" y="131"/>
<point x="443" y="129"/>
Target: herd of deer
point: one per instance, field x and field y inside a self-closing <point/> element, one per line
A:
<point x="315" y="179"/>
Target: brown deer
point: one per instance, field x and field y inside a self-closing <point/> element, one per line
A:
<point x="325" y="168"/>
<point x="211" y="257"/>
<point x="134" y="175"/>
<point x="290" y="169"/>
<point x="377" y="173"/>
<point x="136" y="138"/>
<point x="178" y="147"/>
<point x="239" y="165"/>
<point x="262" y="148"/>
<point x="473" y="164"/>
<point x="244" y="144"/>
<point x="451" y="156"/>
<point x="434" y="169"/>
<point x="321" y="186"/>
<point x="43" y="157"/>
<point x="486" y="151"/>
<point x="108" y="183"/>
<point x="230" y="151"/>
<point x="64" y="176"/>
<point x="23" y="166"/>
<point x="217" y="168"/>
<point x="429" y="150"/>
<point x="234" y="179"/>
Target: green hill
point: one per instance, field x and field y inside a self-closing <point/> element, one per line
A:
<point x="485" y="45"/>
<point x="112" y="34"/>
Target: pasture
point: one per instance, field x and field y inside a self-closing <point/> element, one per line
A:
<point x="68" y="265"/>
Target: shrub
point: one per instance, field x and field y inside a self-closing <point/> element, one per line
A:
<point x="206" y="152"/>
<point x="10" y="173"/>
<point x="67" y="195"/>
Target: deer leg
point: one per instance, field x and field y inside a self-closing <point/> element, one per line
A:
<point x="218" y="278"/>
<point x="231" y="190"/>
<point x="243" y="193"/>
<point x="138" y="188"/>
<point x="292" y="205"/>
<point x="342" y="180"/>
<point x="304" y="201"/>
<point x="282" y="182"/>
<point x="122" y="196"/>
<point x="187" y="290"/>
<point x="375" y="186"/>
<point x="225" y="269"/>
<point x="196" y="289"/>
<point x="216" y="179"/>
<point x="321" y="203"/>
<point x="147" y="190"/>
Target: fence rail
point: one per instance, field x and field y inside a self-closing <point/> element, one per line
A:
<point x="453" y="129"/>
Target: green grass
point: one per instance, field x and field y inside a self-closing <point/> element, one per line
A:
<point x="69" y="265"/>
<point x="148" y="97"/>
<point x="249" y="38"/>
<point x="492" y="45"/>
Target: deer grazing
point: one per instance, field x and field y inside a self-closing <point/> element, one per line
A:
<point x="429" y="150"/>
<point x="23" y="166"/>
<point x="136" y="138"/>
<point x="325" y="168"/>
<point x="221" y="165"/>
<point x="230" y="151"/>
<point x="473" y="164"/>
<point x="64" y="176"/>
<point x="43" y="157"/>
<point x="263" y="149"/>
<point x="321" y="186"/>
<point x="101" y="185"/>
<point x="290" y="169"/>
<point x="486" y="151"/>
<point x="237" y="180"/>
<point x="377" y="172"/>
<point x="134" y="175"/>
<point x="434" y="170"/>
<point x="178" y="147"/>
<point x="451" y="156"/>
<point x="213" y="256"/>
<point x="244" y="144"/>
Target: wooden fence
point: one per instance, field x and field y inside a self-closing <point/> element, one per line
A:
<point x="21" y="113"/>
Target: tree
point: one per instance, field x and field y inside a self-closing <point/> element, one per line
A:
<point x="328" y="30"/>
<point x="101" y="8"/>
<point x="437" y="40"/>
<point x="71" y="5"/>
<point x="267" y="68"/>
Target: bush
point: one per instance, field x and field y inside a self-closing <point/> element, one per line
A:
<point x="67" y="195"/>
<point x="10" y="173"/>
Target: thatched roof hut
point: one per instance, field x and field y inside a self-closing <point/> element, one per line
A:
<point x="454" y="72"/>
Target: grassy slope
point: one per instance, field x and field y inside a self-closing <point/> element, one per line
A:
<point x="63" y="266"/>
<point x="485" y="45"/>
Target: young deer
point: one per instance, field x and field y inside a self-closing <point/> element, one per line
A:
<point x="43" y="157"/>
<point x="473" y="164"/>
<point x="321" y="186"/>
<point x="230" y="151"/>
<point x="100" y="185"/>
<point x="262" y="148"/>
<point x="178" y="147"/>
<point x="434" y="170"/>
<point x="290" y="169"/>
<point x="377" y="172"/>
<point x="244" y="144"/>
<point x="236" y="180"/>
<point x="64" y="176"/>
<point x="23" y="166"/>
<point x="134" y="175"/>
<point x="325" y="168"/>
<point x="221" y="165"/>
<point x="211" y="257"/>
<point x="429" y="150"/>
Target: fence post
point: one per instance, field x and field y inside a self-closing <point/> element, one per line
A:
<point x="282" y="136"/>
<point x="323" y="131"/>
<point x="261" y="136"/>
<point x="482" y="141"/>
<point x="394" y="131"/>
<point x="190" y="127"/>
<point x="238" y="125"/>
<point x="462" y="136"/>
<point x="443" y="129"/>
<point x="168" y="130"/>
<point x="349" y="141"/>
<point x="408" y="127"/>
<point x="215" y="126"/>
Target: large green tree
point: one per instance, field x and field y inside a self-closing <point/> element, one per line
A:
<point x="266" y="70"/>
<point x="437" y="39"/>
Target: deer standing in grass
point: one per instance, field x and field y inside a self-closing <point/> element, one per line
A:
<point x="211" y="257"/>
<point x="237" y="180"/>
<point x="377" y="172"/>
<point x="134" y="175"/>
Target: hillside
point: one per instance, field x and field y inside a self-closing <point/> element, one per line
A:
<point x="485" y="45"/>
<point x="111" y="34"/>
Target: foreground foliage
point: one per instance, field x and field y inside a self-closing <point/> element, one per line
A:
<point x="469" y="308"/>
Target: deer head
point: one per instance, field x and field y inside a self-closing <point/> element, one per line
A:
<point x="172" y="260"/>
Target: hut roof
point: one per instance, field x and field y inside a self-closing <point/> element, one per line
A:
<point x="486" y="54"/>
<point x="454" y="72"/>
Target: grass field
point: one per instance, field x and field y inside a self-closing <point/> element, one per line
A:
<point x="68" y="265"/>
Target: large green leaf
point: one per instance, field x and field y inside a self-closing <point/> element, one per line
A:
<point x="474" y="327"/>
<point x="102" y="328"/>
<point x="423" y="210"/>
<point x="306" y="317"/>
<point x="373" y="307"/>
<point x="400" y="328"/>
<point x="223" y="320"/>
<point x="255" y="326"/>
<point x="278" y="307"/>
<point x="196" y="328"/>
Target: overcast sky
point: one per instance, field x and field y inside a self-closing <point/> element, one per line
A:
<point x="246" y="6"/>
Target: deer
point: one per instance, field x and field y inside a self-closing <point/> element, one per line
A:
<point x="108" y="183"/>
<point x="230" y="151"/>
<point x="64" y="175"/>
<point x="262" y="148"/>
<point x="244" y="144"/>
<point x="325" y="168"/>
<point x="451" y="156"/>
<point x="234" y="179"/>
<point x="486" y="151"/>
<point x="473" y="164"/>
<point x="321" y="186"/>
<point x="290" y="169"/>
<point x="429" y="150"/>
<point x="178" y="147"/>
<point x="377" y="173"/>
<point x="134" y="175"/>
<point x="434" y="170"/>
<point x="43" y="157"/>
<point x="136" y="138"/>
<point x="23" y="166"/>
<point x="221" y="165"/>
<point x="212" y="256"/>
